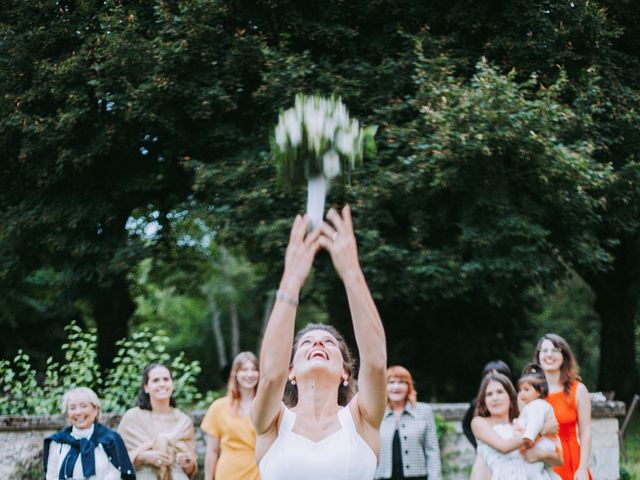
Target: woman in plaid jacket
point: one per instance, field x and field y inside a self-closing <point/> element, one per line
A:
<point x="408" y="441"/>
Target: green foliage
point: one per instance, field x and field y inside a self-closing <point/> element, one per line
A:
<point x="122" y="382"/>
<point x="480" y="197"/>
<point x="493" y="180"/>
<point x="630" y="463"/>
<point x="207" y="399"/>
<point x="624" y="474"/>
<point x="22" y="394"/>
<point x="486" y="171"/>
<point x="182" y="294"/>
<point x="568" y="311"/>
<point x="99" y="117"/>
<point x="18" y="384"/>
<point x="443" y="428"/>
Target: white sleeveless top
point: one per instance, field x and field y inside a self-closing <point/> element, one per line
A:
<point x="504" y="466"/>
<point x="343" y="455"/>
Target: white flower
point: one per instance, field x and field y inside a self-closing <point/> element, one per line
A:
<point x="331" y="164"/>
<point x="344" y="142"/>
<point x="292" y="127"/>
<point x="281" y="136"/>
<point x="340" y="115"/>
<point x="317" y="129"/>
<point x="329" y="130"/>
<point x="313" y="120"/>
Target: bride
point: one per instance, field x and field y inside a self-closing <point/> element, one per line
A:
<point x="325" y="431"/>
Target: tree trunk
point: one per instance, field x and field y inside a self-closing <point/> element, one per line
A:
<point x="233" y="307"/>
<point x="617" y="305"/>
<point x="268" y="306"/>
<point x="618" y="371"/>
<point x="217" y="333"/>
<point x="112" y="309"/>
<point x="235" y="329"/>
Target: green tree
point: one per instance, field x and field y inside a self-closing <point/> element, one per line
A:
<point x="568" y="311"/>
<point x="365" y="54"/>
<point x="101" y="112"/>
<point x="110" y="111"/>
<point x="597" y="45"/>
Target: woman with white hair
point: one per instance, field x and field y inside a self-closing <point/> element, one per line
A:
<point x="86" y="449"/>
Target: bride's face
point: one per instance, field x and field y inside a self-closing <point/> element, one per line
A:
<point x="496" y="399"/>
<point x="318" y="351"/>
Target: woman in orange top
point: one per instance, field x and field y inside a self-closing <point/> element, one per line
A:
<point x="571" y="404"/>
<point x="228" y="426"/>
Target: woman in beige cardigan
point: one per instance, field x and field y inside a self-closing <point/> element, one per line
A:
<point x="160" y="438"/>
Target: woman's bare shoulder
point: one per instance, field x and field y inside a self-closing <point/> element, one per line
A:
<point x="479" y="421"/>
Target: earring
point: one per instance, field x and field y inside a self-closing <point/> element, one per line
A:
<point x="345" y="383"/>
<point x="293" y="381"/>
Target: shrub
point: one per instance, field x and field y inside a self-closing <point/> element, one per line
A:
<point x="22" y="394"/>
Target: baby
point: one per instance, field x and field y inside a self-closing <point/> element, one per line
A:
<point x="534" y="411"/>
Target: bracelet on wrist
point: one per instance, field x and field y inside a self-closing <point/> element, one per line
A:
<point x="286" y="298"/>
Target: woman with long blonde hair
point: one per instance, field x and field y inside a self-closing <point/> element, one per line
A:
<point x="231" y="439"/>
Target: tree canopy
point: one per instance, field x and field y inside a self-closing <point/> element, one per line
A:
<point x="508" y="140"/>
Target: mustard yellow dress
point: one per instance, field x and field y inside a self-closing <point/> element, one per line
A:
<point x="237" y="442"/>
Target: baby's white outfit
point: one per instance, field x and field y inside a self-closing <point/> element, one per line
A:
<point x="532" y="418"/>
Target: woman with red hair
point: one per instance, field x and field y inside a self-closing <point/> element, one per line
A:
<point x="231" y="439"/>
<point x="408" y="441"/>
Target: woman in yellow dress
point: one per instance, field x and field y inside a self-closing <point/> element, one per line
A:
<point x="231" y="439"/>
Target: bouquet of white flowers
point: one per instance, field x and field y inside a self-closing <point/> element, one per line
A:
<point x="317" y="141"/>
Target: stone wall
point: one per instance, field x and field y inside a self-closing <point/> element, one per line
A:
<point x="21" y="441"/>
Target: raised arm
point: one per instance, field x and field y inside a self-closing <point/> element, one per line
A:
<point x="278" y="336"/>
<point x="484" y="432"/>
<point x="339" y="239"/>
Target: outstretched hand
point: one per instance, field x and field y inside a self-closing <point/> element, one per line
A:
<point x="301" y="251"/>
<point x="339" y="240"/>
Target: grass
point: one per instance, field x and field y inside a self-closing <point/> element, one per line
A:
<point x="632" y="448"/>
